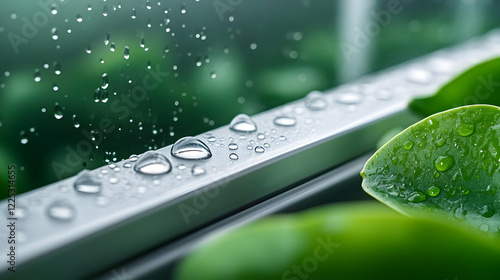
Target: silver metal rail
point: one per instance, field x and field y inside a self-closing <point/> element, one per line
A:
<point x="82" y="225"/>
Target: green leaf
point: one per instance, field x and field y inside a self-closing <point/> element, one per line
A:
<point x="447" y="163"/>
<point x="363" y="240"/>
<point x="478" y="85"/>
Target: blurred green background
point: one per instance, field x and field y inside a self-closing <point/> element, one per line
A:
<point x="192" y="66"/>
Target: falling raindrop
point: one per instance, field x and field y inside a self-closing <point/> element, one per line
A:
<point x="242" y="123"/>
<point x="233" y="156"/>
<point x="285" y="120"/>
<point x="76" y="122"/>
<point x="37" y="75"/>
<point x="57" y="68"/>
<point x="197" y="170"/>
<point x="87" y="184"/>
<point x="153" y="163"/>
<point x="58" y="113"/>
<point x="106" y="38"/>
<point x="54" y="34"/>
<point x="104" y="81"/>
<point x="190" y="148"/>
<point x="126" y="54"/>
<point x="61" y="211"/>
<point x="315" y="101"/>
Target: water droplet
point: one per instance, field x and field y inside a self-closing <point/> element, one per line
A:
<point x="197" y="170"/>
<point x="419" y="76"/>
<point x="133" y="158"/>
<point x="53" y="10"/>
<point x="433" y="191"/>
<point x="408" y="145"/>
<point x="285" y="120"/>
<point x="58" y="113"/>
<point x="38" y="78"/>
<point x="484" y="228"/>
<point x="417" y="197"/>
<point x="243" y="123"/>
<point x="259" y="149"/>
<point x="54" y="33"/>
<point x="126" y="52"/>
<point x="101" y="201"/>
<point x="61" y="211"/>
<point x="233" y="156"/>
<point x="76" y="122"/>
<point x="104" y="81"/>
<point x="315" y="101"/>
<point x="133" y="16"/>
<point x="106" y="38"/>
<point x="88" y="50"/>
<point x="486" y="212"/>
<point x="465" y="129"/>
<point x="213" y="75"/>
<point x="153" y="163"/>
<point x="233" y="146"/>
<point x="183" y="8"/>
<point x="443" y="163"/>
<point x="24" y="140"/>
<point x="261" y="136"/>
<point x="383" y="94"/>
<point x="282" y="138"/>
<point x="79" y="18"/>
<point x="86" y="183"/>
<point x="348" y="98"/>
<point x="105" y="11"/>
<point x="190" y="148"/>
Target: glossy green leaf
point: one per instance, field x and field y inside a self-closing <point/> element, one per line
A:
<point x="478" y="85"/>
<point x="345" y="241"/>
<point x="447" y="163"/>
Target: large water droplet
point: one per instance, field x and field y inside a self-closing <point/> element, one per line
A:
<point x="242" y="123"/>
<point x="190" y="148"/>
<point x="417" y="197"/>
<point x="433" y="191"/>
<point x="443" y="163"/>
<point x="408" y="145"/>
<point x="315" y="101"/>
<point x="86" y="183"/>
<point x="486" y="212"/>
<point x="61" y="211"/>
<point x="153" y="163"/>
<point x="285" y="120"/>
<point x="465" y="129"/>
